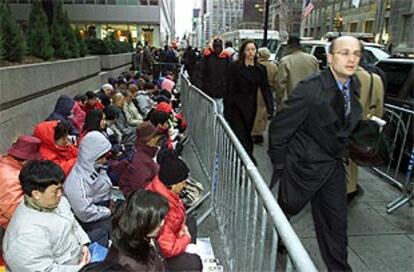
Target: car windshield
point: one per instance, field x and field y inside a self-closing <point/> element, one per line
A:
<point x="374" y="54"/>
<point x="399" y="78"/>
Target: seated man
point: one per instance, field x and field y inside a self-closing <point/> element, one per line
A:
<point x="43" y="234"/>
<point x="88" y="187"/>
<point x="92" y="102"/>
<point x="142" y="169"/>
<point x="132" y="114"/>
<point x="11" y="194"/>
<point x="56" y="145"/>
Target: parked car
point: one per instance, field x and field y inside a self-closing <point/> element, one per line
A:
<point x="318" y="48"/>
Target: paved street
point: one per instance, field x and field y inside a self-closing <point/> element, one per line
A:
<point x="377" y="241"/>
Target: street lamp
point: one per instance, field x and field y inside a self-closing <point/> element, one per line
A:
<point x="266" y="22"/>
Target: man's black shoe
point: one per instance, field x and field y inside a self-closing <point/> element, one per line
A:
<point x="358" y="193"/>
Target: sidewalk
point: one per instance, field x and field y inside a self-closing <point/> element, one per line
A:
<point x="377" y="241"/>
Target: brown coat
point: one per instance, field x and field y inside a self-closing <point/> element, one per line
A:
<point x="377" y="109"/>
<point x="260" y="121"/>
<point x="293" y="68"/>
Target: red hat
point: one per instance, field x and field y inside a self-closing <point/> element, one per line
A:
<point x="26" y="148"/>
<point x="164" y="107"/>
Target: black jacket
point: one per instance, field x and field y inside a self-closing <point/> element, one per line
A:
<point x="310" y="136"/>
<point x="213" y="74"/>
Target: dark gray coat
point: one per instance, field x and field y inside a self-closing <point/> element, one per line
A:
<point x="310" y="136"/>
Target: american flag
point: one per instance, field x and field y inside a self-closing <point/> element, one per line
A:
<point x="309" y="6"/>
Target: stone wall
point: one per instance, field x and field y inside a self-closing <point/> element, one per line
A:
<point x="29" y="92"/>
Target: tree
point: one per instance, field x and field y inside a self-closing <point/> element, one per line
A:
<point x="12" y="36"/>
<point x="130" y="42"/>
<point x="70" y="36"/>
<point x="38" y="36"/>
<point x="83" y="49"/>
<point x="59" y="42"/>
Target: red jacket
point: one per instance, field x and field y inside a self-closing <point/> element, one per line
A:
<point x="169" y="240"/>
<point x="11" y="193"/>
<point x="141" y="170"/>
<point x="87" y="108"/>
<point x="78" y="119"/>
<point x="64" y="156"/>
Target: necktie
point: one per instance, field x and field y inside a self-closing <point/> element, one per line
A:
<point x="347" y="101"/>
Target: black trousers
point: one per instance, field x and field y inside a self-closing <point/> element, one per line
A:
<point x="186" y="261"/>
<point x="329" y="212"/>
<point x="98" y="231"/>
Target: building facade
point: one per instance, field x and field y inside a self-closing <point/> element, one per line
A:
<point x="285" y="16"/>
<point x="389" y="21"/>
<point x="146" y="20"/>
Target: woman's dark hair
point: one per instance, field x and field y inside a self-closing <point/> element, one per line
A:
<point x="93" y="120"/>
<point x="103" y="267"/>
<point x="90" y="95"/>
<point x="241" y="50"/>
<point x="139" y="215"/>
<point x="38" y="175"/>
<point x="80" y="97"/>
<point x="158" y="117"/>
<point x="61" y="130"/>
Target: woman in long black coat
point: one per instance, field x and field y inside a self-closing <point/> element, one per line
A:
<point x="247" y="77"/>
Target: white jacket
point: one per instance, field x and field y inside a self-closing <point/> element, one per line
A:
<point x="44" y="241"/>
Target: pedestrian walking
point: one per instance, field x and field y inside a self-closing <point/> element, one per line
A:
<point x="247" y="77"/>
<point x="308" y="144"/>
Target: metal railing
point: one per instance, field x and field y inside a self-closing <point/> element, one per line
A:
<point x="249" y="218"/>
<point x="401" y="121"/>
<point x="162" y="68"/>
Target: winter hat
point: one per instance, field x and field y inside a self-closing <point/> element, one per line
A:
<point x="164" y="107"/>
<point x="167" y="84"/>
<point x="145" y="131"/>
<point x="26" y="148"/>
<point x="173" y="170"/>
<point x="107" y="87"/>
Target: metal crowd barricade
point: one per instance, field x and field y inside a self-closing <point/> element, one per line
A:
<point x="162" y="68"/>
<point x="249" y="218"/>
<point x="397" y="169"/>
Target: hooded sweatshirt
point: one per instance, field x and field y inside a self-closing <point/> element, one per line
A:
<point x="64" y="156"/>
<point x="87" y="184"/>
<point x="62" y="111"/>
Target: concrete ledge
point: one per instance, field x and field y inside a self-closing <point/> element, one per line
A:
<point x="21" y="118"/>
<point x="21" y="81"/>
<point x="109" y="62"/>
<point x="104" y="75"/>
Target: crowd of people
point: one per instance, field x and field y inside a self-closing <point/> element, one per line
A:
<point x="313" y="115"/>
<point x="56" y="184"/>
<point x="58" y="211"/>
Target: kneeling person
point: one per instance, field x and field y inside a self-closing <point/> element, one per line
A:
<point x="43" y="234"/>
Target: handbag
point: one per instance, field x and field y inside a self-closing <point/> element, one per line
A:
<point x="370" y="145"/>
<point x="192" y="192"/>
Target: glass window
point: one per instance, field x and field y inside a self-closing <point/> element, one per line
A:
<point x="122" y="2"/>
<point x="399" y="77"/>
<point x="79" y="1"/>
<point x="144" y="2"/>
<point x="89" y="1"/>
<point x="100" y="2"/>
<point x="153" y="2"/>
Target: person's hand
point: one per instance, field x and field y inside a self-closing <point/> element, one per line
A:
<point x="184" y="231"/>
<point x="277" y="174"/>
<point x="85" y="256"/>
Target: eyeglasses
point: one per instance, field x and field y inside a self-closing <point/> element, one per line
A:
<point x="347" y="54"/>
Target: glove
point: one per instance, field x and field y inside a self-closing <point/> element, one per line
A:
<point x="276" y="176"/>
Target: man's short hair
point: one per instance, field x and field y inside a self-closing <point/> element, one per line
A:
<point x="90" y="95"/>
<point x="294" y="41"/>
<point x="38" y="175"/>
<point x="332" y="45"/>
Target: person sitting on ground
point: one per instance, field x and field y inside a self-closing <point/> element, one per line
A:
<point x="78" y="117"/>
<point x="43" y="234"/>
<point x="63" y="111"/>
<point x="142" y="169"/>
<point x="132" y="114"/>
<point x="178" y="230"/>
<point x="56" y="145"/>
<point x="104" y="94"/>
<point x="121" y="122"/>
<point x="92" y="102"/>
<point x="88" y="187"/>
<point x="137" y="223"/>
<point x="11" y="194"/>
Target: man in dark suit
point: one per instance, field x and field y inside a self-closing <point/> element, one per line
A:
<point x="308" y="144"/>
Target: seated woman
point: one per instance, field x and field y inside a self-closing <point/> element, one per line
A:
<point x="55" y="144"/>
<point x="174" y="236"/>
<point x="136" y="224"/>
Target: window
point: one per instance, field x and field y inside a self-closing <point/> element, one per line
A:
<point x="353" y="27"/>
<point x="369" y="26"/>
<point x="153" y="2"/>
<point x="407" y="32"/>
<point x="320" y="54"/>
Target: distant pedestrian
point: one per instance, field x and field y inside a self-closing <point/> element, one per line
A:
<point x="293" y="68"/>
<point x="213" y="73"/>
<point x="247" y="77"/>
<point x="308" y="145"/>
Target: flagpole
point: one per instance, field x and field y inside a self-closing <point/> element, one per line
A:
<point x="303" y="23"/>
